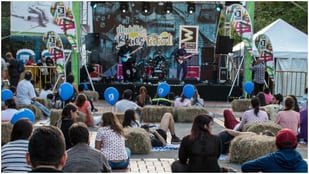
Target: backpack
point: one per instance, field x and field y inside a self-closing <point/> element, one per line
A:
<point x="21" y="66"/>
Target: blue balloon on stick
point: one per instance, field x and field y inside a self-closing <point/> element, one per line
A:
<point x="66" y="91"/>
<point x="163" y="89"/>
<point x="249" y="86"/>
<point x="6" y="94"/>
<point x="22" y="114"/>
<point x="188" y="90"/>
<point x="111" y="95"/>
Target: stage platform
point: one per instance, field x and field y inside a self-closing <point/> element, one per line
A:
<point x="207" y="91"/>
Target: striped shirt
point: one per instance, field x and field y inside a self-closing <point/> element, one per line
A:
<point x="259" y="73"/>
<point x="13" y="157"/>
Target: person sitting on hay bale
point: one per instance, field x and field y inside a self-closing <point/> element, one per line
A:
<point x="286" y="159"/>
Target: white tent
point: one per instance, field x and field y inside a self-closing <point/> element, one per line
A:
<point x="290" y="51"/>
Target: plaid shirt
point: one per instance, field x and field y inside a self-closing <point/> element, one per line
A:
<point x="259" y="73"/>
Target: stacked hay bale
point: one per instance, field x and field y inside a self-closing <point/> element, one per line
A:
<point x="241" y="105"/>
<point x="94" y="95"/>
<point x="37" y="112"/>
<point x="44" y="102"/>
<point x="259" y="128"/>
<point x="120" y="116"/>
<point x="6" y="129"/>
<point x="138" y="140"/>
<point x="187" y="114"/>
<point x="152" y="113"/>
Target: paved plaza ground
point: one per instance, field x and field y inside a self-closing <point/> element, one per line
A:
<point x="159" y="162"/>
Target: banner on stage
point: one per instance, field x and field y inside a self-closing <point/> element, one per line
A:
<point x="189" y="36"/>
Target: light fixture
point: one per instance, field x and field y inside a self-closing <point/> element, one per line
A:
<point x="219" y="7"/>
<point x="191" y="8"/>
<point x="93" y="4"/>
<point x="123" y="7"/>
<point x="146" y="8"/>
<point x="168" y="7"/>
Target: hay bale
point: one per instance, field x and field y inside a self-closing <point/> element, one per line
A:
<point x="37" y="112"/>
<point x="138" y="140"/>
<point x="260" y="127"/>
<point x="241" y="105"/>
<point x="55" y="115"/>
<point x="6" y="129"/>
<point x="120" y="117"/>
<point x="44" y="102"/>
<point x="187" y="114"/>
<point x="153" y="113"/>
<point x="245" y="147"/>
<point x="94" y="95"/>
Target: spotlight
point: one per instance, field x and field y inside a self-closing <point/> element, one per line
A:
<point x="146" y="8"/>
<point x="191" y="8"/>
<point x="168" y="7"/>
<point x="123" y="7"/>
<point x="93" y="4"/>
<point x="219" y="7"/>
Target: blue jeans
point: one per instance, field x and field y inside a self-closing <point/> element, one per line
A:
<point x="45" y="110"/>
<point x="182" y="68"/>
<point x="123" y="164"/>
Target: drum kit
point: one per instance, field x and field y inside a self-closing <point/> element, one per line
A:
<point x="150" y="68"/>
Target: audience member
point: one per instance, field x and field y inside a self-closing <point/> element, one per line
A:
<point x="196" y="100"/>
<point x="69" y="115"/>
<point x="230" y="121"/>
<point x="111" y="141"/>
<point x="81" y="89"/>
<point x="164" y="101"/>
<point x="303" y="131"/>
<point x="46" y="151"/>
<point x="286" y="159"/>
<point x="13" y="89"/>
<point x="9" y="110"/>
<point x="31" y="60"/>
<point x="143" y="98"/>
<point x="268" y="96"/>
<point x="261" y="97"/>
<point x="288" y="118"/>
<point x="275" y="106"/>
<point x="26" y="94"/>
<point x="82" y="157"/>
<point x="12" y="66"/>
<point x="13" y="153"/>
<point x="46" y="90"/>
<point x="130" y="119"/>
<point x="303" y="102"/>
<point x="182" y="101"/>
<point x="84" y="106"/>
<point x="199" y="151"/>
<point x="296" y="106"/>
<point x="126" y="102"/>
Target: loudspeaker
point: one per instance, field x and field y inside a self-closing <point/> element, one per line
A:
<point x="191" y="81"/>
<point x="209" y="72"/>
<point x="223" y="60"/>
<point x="222" y="74"/>
<point x="208" y="54"/>
<point x="224" y="45"/>
<point x="92" y="41"/>
<point x="172" y="81"/>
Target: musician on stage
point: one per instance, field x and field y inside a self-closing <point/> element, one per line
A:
<point x="182" y="65"/>
<point x="127" y="65"/>
<point x="159" y="58"/>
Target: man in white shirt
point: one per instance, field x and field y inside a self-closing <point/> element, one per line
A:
<point x="126" y="102"/>
<point x="26" y="94"/>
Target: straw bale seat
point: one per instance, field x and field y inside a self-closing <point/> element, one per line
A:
<point x="187" y="114"/>
<point x="56" y="115"/>
<point x="44" y="102"/>
<point x="259" y="128"/>
<point x="153" y="113"/>
<point x="6" y="129"/>
<point x="241" y="105"/>
<point x="245" y="147"/>
<point x="94" y="95"/>
<point x="137" y="140"/>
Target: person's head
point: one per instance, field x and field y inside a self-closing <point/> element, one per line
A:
<point x="129" y="116"/>
<point x="46" y="147"/>
<point x="22" y="130"/>
<point x="110" y="119"/>
<point x="49" y="61"/>
<point x="277" y="99"/>
<point x="261" y="97"/>
<point x="47" y="86"/>
<point x="81" y="99"/>
<point x="259" y="60"/>
<point x="31" y="57"/>
<point x="289" y="103"/>
<point x="127" y="94"/>
<point x="202" y="124"/>
<point x="8" y="55"/>
<point x="143" y="90"/>
<point x="183" y="45"/>
<point x="127" y="42"/>
<point x="10" y="103"/>
<point x="296" y="106"/>
<point x="70" y="78"/>
<point x="286" y="139"/>
<point x="28" y="75"/>
<point x="159" y="52"/>
<point x="50" y="96"/>
<point x="69" y="112"/>
<point x="81" y="87"/>
<point x="78" y="133"/>
<point x="255" y="103"/>
<point x="266" y="90"/>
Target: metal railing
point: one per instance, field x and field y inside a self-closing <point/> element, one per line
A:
<point x="43" y="74"/>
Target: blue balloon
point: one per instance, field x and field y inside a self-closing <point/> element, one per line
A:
<point x="111" y="95"/>
<point x="6" y="94"/>
<point x="249" y="86"/>
<point x="163" y="89"/>
<point x="66" y="91"/>
<point x="23" y="113"/>
<point x="188" y="91"/>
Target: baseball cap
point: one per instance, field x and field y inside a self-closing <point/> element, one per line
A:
<point x="286" y="138"/>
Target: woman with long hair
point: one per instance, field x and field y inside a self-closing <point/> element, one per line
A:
<point x="200" y="150"/>
<point x="111" y="141"/>
<point x="143" y="98"/>
<point x="84" y="106"/>
<point x="254" y="115"/>
<point x="130" y="119"/>
<point x="182" y="101"/>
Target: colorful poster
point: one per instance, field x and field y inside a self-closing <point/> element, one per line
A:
<point x="263" y="44"/>
<point x="64" y="18"/>
<point x="189" y="36"/>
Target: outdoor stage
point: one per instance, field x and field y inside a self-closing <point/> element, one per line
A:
<point x="207" y="91"/>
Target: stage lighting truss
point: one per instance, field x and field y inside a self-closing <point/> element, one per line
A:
<point x="124" y="7"/>
<point x="168" y="7"/>
<point x="191" y="8"/>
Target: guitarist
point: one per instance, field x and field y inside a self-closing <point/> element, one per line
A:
<point x="127" y="66"/>
<point x="182" y="66"/>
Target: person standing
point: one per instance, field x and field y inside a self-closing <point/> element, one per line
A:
<point x="12" y="66"/>
<point x="182" y="66"/>
<point x="127" y="61"/>
<point x="259" y="75"/>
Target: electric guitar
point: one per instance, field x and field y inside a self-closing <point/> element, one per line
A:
<point x="180" y="59"/>
<point x="127" y="55"/>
